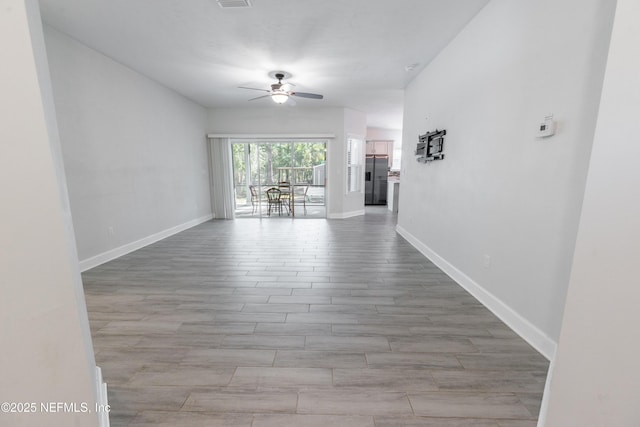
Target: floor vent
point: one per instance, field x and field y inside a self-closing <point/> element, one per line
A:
<point x="234" y="3"/>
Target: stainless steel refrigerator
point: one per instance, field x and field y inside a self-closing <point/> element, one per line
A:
<point x="375" y="180"/>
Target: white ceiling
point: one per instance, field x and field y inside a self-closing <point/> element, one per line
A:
<point x="354" y="52"/>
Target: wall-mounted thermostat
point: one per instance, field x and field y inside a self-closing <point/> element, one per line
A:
<point x="547" y="127"/>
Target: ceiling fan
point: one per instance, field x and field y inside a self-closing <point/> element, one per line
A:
<point x="282" y="92"/>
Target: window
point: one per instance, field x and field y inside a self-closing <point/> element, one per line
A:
<point x="261" y="164"/>
<point x="354" y="164"/>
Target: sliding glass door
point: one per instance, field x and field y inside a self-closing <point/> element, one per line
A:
<point x="294" y="171"/>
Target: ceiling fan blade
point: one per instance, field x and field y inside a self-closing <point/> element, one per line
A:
<point x="263" y="96"/>
<point x="253" y="88"/>
<point x="291" y="102"/>
<point x="307" y="95"/>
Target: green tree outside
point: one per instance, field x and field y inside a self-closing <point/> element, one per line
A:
<point x="280" y="161"/>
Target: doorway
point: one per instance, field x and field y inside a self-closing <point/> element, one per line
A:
<point x="296" y="169"/>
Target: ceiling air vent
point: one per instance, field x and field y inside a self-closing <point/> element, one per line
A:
<point x="234" y="3"/>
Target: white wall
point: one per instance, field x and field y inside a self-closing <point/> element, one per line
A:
<point x="501" y="192"/>
<point x="134" y="151"/>
<point x="46" y="353"/>
<point x="355" y="125"/>
<point x="282" y="119"/>
<point x="595" y="381"/>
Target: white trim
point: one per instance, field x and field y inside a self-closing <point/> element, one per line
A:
<point x="345" y="215"/>
<point x="530" y="333"/>
<point x="279" y="136"/>
<point x="112" y="254"/>
<point x="102" y="399"/>
<point x="546" y="395"/>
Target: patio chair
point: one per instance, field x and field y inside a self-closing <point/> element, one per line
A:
<point x="255" y="198"/>
<point x="300" y="196"/>
<point x="274" y="201"/>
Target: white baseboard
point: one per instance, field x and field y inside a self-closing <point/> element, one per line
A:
<point x="345" y="215"/>
<point x="102" y="399"/>
<point x="89" y="263"/>
<point x="530" y="333"/>
<point x="544" y="405"/>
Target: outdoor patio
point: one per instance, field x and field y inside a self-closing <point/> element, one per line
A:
<point x="315" y="203"/>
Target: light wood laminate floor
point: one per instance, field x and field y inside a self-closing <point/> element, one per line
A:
<point x="302" y="323"/>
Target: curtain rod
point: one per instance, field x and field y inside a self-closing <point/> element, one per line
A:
<point x="272" y="136"/>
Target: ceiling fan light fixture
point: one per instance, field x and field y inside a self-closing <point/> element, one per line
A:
<point x="279" y="98"/>
<point x="281" y="93"/>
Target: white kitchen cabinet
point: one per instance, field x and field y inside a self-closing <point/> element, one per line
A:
<point x="393" y="195"/>
<point x="380" y="148"/>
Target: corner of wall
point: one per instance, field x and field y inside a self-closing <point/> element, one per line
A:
<point x="529" y="332"/>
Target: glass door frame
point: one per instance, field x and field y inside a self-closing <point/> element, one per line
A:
<point x="290" y="171"/>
